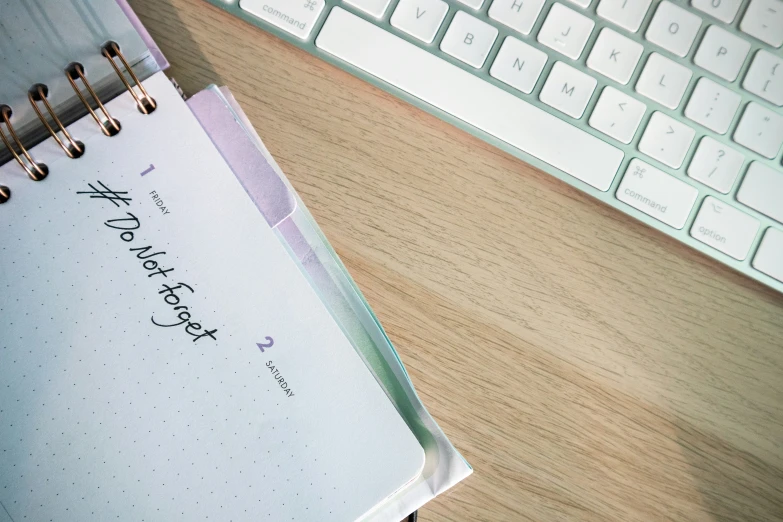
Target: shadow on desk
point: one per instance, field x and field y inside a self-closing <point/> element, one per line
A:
<point x="733" y="484"/>
<point x="189" y="65"/>
<point x="588" y="367"/>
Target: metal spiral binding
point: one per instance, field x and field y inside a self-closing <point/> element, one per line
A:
<point x="38" y="93"/>
<point x="145" y="103"/>
<point x="36" y="171"/>
<point x="74" y="72"/>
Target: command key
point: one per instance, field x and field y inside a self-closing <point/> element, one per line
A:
<point x="657" y="194"/>
<point x="297" y="17"/>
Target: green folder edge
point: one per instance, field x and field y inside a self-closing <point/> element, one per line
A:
<point x="336" y="288"/>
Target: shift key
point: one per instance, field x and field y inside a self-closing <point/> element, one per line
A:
<point x="657" y="194"/>
<point x="297" y="17"/>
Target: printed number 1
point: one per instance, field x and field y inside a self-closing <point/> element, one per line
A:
<point x="152" y="167"/>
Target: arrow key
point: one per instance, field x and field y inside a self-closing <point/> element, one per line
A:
<point x="617" y="115"/>
<point x="666" y="140"/>
<point x="420" y="18"/>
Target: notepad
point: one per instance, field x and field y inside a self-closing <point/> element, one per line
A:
<point x="178" y="341"/>
<point x="163" y="358"/>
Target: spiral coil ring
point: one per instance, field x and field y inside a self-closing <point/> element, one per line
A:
<point x="145" y="103"/>
<point x="39" y="93"/>
<point x="36" y="171"/>
<point x="74" y="72"/>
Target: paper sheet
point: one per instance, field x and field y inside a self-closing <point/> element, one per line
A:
<point x="116" y="403"/>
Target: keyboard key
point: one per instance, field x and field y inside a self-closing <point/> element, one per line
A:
<point x="615" y="56"/>
<point x="769" y="256"/>
<point x="657" y="194"/>
<point x="628" y="14"/>
<point x="475" y="4"/>
<point x="617" y="115"/>
<point x="765" y="77"/>
<point x="568" y="90"/>
<point x="469" y="98"/>
<point x="723" y="10"/>
<point x="762" y="190"/>
<point x="673" y="28"/>
<point x="469" y="39"/>
<point x="663" y="80"/>
<point x="764" y="20"/>
<point x="518" y="64"/>
<point x="725" y="228"/>
<point x="519" y="15"/>
<point x="712" y="105"/>
<point x="420" y="18"/>
<point x="760" y="130"/>
<point x="666" y="140"/>
<point x="566" y="31"/>
<point x="374" y="8"/>
<point x="296" y="18"/>
<point x="581" y="3"/>
<point x="716" y="165"/>
<point x="722" y="53"/>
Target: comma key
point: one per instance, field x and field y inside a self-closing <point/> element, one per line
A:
<point x="295" y="17"/>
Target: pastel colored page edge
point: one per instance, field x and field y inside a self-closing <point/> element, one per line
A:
<point x="234" y="140"/>
<point x="220" y="115"/>
<point x="444" y="467"/>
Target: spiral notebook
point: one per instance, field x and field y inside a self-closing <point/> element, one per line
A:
<point x="177" y="341"/>
<point x="38" y="38"/>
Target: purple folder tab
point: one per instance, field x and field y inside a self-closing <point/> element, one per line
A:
<point x="270" y="194"/>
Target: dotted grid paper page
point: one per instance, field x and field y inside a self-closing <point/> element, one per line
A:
<point x="161" y="356"/>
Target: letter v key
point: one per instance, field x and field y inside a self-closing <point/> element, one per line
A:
<point x="419" y="18"/>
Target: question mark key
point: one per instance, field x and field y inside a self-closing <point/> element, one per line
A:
<point x="716" y="165"/>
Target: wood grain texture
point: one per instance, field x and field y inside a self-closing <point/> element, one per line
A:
<point x="588" y="367"/>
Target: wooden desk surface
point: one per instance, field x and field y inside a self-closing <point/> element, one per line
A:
<point x="588" y="367"/>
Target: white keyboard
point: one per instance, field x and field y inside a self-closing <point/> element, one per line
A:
<point x="669" y="111"/>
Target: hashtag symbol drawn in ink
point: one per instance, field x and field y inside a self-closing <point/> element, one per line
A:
<point x="106" y="193"/>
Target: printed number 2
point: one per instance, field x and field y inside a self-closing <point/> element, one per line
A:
<point x="268" y="344"/>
